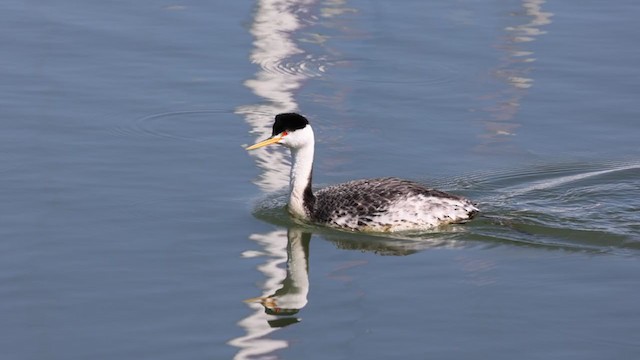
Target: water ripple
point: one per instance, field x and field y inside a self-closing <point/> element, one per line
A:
<point x="575" y="207"/>
<point x="185" y="125"/>
<point x="308" y="67"/>
<point x="588" y="206"/>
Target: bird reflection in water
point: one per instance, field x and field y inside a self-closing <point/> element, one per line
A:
<point x="285" y="291"/>
<point x="291" y="297"/>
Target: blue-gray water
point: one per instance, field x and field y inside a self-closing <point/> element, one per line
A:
<point x="134" y="224"/>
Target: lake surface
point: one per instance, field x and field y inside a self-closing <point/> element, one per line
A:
<point x="134" y="224"/>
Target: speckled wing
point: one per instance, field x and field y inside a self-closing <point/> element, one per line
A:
<point x="388" y="204"/>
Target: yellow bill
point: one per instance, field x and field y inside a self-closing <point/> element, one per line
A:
<point x="269" y="141"/>
<point x="258" y="299"/>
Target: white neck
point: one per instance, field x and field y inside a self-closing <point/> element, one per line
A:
<point x="301" y="167"/>
<point x="295" y="287"/>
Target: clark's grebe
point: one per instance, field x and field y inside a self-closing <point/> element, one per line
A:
<point x="379" y="205"/>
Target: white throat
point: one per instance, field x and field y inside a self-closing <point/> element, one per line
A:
<point x="295" y="287"/>
<point x="301" y="168"/>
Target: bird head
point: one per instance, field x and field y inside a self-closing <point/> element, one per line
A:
<point x="289" y="129"/>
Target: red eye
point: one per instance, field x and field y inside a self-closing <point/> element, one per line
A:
<point x="284" y="133"/>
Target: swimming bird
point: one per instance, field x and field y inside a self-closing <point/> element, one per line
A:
<point x="372" y="205"/>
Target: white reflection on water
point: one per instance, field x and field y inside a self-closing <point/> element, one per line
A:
<point x="283" y="68"/>
<point x="273" y="23"/>
<point x="515" y="71"/>
<point x="290" y="294"/>
<point x="254" y="343"/>
<point x="284" y="292"/>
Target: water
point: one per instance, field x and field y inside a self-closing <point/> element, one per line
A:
<point x="134" y="224"/>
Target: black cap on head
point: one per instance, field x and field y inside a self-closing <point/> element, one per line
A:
<point x="288" y="122"/>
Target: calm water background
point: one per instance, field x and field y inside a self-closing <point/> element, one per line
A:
<point x="134" y="224"/>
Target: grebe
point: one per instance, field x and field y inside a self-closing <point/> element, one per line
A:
<point x="376" y="205"/>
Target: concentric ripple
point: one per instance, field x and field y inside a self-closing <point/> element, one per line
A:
<point x="307" y="67"/>
<point x="185" y="125"/>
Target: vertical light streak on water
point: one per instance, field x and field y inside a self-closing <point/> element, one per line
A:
<point x="515" y="71"/>
<point x="274" y="24"/>
<point x="290" y="294"/>
<point x="255" y="342"/>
